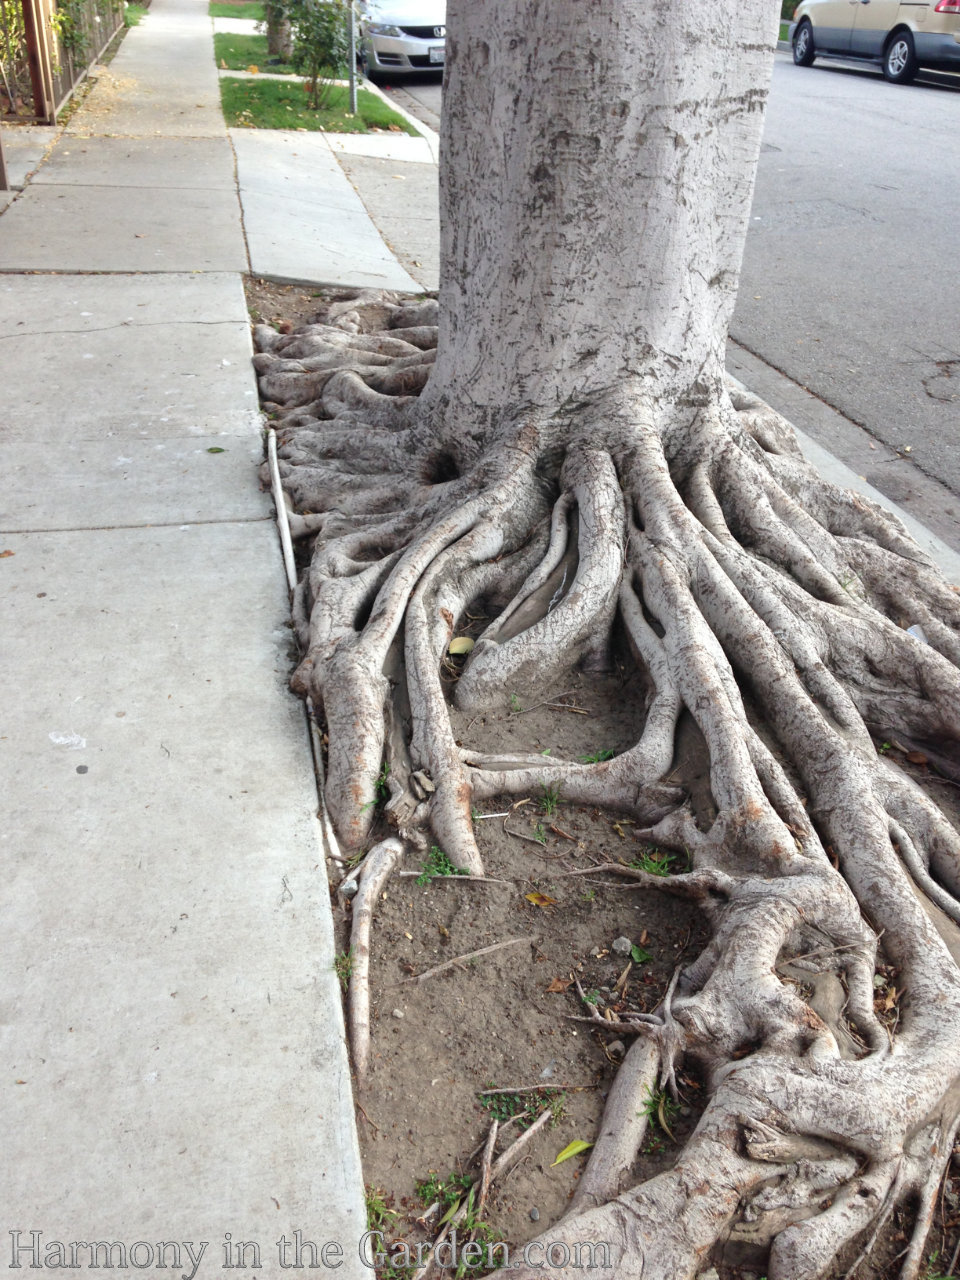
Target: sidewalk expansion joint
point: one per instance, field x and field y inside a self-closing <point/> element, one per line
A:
<point x="154" y="271"/>
<point x="123" y="324"/>
<point x="152" y="524"/>
<point x="243" y="216"/>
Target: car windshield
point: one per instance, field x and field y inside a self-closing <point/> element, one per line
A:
<point x="430" y="12"/>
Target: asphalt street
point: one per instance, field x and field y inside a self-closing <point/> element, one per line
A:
<point x="851" y="277"/>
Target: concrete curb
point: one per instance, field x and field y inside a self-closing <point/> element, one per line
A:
<point x="432" y="137"/>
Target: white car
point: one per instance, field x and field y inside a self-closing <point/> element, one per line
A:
<point x="399" y="37"/>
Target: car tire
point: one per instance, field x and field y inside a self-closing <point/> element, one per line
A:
<point x="900" y="59"/>
<point x="804" y="51"/>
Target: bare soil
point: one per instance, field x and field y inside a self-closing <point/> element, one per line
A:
<point x="508" y="1019"/>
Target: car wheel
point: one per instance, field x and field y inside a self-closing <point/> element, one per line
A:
<point x="900" y="60"/>
<point x="803" y="49"/>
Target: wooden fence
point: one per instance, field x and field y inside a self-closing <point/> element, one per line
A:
<point x="46" y="49"/>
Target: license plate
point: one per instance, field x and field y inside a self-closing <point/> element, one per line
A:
<point x="436" y="53"/>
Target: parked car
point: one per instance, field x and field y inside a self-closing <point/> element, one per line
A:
<point x="398" y="37"/>
<point x="899" y="37"/>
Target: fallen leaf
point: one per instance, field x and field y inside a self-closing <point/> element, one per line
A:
<point x="462" y="644"/>
<point x="541" y="900"/>
<point x="559" y="985"/>
<point x="917" y="757"/>
<point x="644" y="938"/>
<point x="444" y="932"/>
<point x="5" y="554"/>
<point x="639" y="956"/>
<point x="572" y="1149"/>
<point x="253" y="70"/>
<point x="216" y="449"/>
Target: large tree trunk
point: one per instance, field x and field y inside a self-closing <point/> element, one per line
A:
<point x="598" y="162"/>
<point x="279" y="30"/>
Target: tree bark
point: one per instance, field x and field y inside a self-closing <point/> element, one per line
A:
<point x="595" y="188"/>
<point x="279" y="31"/>
<point x="559" y="438"/>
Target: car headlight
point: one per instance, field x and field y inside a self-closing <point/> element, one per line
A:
<point x="381" y="29"/>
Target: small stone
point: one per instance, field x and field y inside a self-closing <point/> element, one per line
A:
<point x="617" y="1049"/>
<point x="622" y="946"/>
<point x="82" y="768"/>
<point x="398" y="1013"/>
<point x="710" y="1274"/>
<point x="534" y="1215"/>
<point x="350" y="890"/>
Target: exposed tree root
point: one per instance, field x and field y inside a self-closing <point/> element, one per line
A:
<point x="771" y="608"/>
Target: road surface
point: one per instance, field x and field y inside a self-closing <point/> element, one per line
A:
<point x="851" y="277"/>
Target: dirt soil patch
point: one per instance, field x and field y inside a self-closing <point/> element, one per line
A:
<point x="448" y="1025"/>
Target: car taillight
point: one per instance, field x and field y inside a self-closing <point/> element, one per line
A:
<point x="948" y="6"/>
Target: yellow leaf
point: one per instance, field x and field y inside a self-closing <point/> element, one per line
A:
<point x="572" y="1149"/>
<point x="462" y="644"/>
<point x="541" y="900"/>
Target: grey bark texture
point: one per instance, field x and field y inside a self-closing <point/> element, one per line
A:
<point x="558" y="437"/>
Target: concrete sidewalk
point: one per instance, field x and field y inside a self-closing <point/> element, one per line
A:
<point x="176" y="1063"/>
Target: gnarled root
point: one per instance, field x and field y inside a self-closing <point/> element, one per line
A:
<point x="766" y="605"/>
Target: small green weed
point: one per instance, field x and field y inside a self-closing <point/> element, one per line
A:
<point x="378" y="1213"/>
<point x="660" y="1109"/>
<point x="525" y="1107"/>
<point x="449" y="1191"/>
<point x="515" y="703"/>
<point x="591" y="997"/>
<point x="539" y="834"/>
<point x="932" y="1271"/>
<point x="132" y="14"/>
<point x="884" y="747"/>
<point x="436" y="864"/>
<point x="597" y="757"/>
<point x="343" y="967"/>
<point x="549" y="801"/>
<point x="589" y="895"/>
<point x="656" y="862"/>
<point x="380" y="788"/>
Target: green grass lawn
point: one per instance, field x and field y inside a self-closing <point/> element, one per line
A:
<point x="236" y="53"/>
<point x="238" y="10"/>
<point x="784" y="30"/>
<point x="132" y="13"/>
<point x="272" y="104"/>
